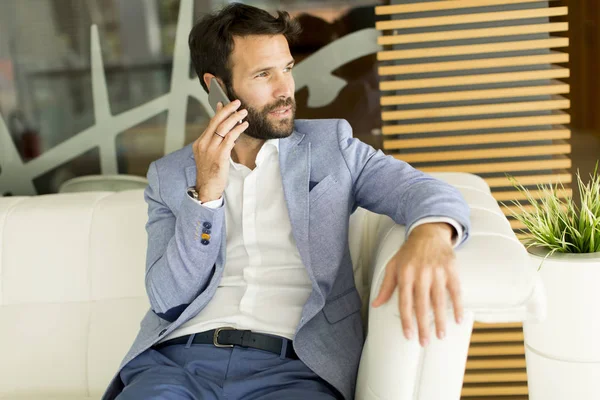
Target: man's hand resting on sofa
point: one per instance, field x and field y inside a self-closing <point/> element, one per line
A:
<point x="423" y="269"/>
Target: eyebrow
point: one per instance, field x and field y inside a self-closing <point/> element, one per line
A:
<point x="256" y="71"/>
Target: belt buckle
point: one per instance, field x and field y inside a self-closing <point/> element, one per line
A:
<point x="216" y="336"/>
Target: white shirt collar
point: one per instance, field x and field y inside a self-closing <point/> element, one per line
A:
<point x="267" y="148"/>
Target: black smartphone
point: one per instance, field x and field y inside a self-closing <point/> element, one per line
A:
<point x="216" y="94"/>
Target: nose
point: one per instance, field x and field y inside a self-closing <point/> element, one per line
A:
<point x="284" y="87"/>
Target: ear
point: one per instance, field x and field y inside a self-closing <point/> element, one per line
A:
<point x="207" y="78"/>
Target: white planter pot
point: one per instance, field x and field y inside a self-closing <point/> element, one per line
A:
<point x="563" y="351"/>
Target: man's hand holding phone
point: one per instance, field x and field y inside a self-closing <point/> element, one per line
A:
<point x="212" y="150"/>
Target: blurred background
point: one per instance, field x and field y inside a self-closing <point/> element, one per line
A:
<point x="46" y="86"/>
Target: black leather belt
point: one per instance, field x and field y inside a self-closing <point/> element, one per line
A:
<point x="229" y="337"/>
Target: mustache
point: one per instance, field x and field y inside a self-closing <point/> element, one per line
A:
<point x="280" y="103"/>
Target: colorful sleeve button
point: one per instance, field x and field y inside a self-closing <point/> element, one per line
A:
<point x="205" y="236"/>
<point x="204" y="242"/>
<point x="207" y="225"/>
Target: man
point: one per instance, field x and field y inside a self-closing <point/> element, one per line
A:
<point x="248" y="271"/>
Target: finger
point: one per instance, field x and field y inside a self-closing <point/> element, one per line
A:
<point x="422" y="291"/>
<point x="453" y="286"/>
<point x="221" y="115"/>
<point x="226" y="126"/>
<point x="387" y="287"/>
<point x="405" y="298"/>
<point x="229" y="141"/>
<point x="438" y="300"/>
<point x="226" y="111"/>
<point x="217" y="139"/>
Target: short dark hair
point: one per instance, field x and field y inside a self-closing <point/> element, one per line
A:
<point x="211" y="38"/>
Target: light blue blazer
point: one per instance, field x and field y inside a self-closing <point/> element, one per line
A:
<point x="326" y="175"/>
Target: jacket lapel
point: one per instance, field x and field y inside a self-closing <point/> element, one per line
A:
<point x="295" y="163"/>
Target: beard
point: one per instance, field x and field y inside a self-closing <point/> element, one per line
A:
<point x="263" y="126"/>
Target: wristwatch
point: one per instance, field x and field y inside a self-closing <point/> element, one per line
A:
<point x="193" y="193"/>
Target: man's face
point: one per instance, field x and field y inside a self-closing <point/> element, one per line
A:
<point x="261" y="72"/>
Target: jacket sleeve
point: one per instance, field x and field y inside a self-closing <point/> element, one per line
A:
<point x="385" y="185"/>
<point x="178" y="265"/>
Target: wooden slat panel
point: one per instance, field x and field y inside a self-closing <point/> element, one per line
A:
<point x="558" y="118"/>
<point x="473" y="49"/>
<point x="556" y="87"/>
<point x="536" y="194"/>
<point x="480" y="79"/>
<point x="508" y="213"/>
<point x="496" y="363"/>
<point x="512" y="166"/>
<point x="511" y="397"/>
<point x="494" y="390"/>
<point x="516" y="225"/>
<point x="511" y="137"/>
<point x="531" y="180"/>
<point x="497" y="350"/>
<point x="485" y="153"/>
<point x="471" y="18"/>
<point x="506" y="325"/>
<point x="465" y="65"/>
<point x="508" y="363"/>
<point x="443" y="5"/>
<point x="508" y="209"/>
<point x="496" y="376"/>
<point x="473" y="33"/>
<point x="491" y="337"/>
<point x="521" y="236"/>
<point x="557" y="103"/>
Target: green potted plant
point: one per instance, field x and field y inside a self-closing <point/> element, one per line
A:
<point x="563" y="239"/>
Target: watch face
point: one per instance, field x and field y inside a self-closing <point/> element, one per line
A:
<point x="192" y="193"/>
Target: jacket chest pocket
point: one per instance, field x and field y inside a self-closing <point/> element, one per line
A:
<point x="320" y="188"/>
<point x="342" y="306"/>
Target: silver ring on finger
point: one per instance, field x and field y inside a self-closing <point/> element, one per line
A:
<point x="222" y="137"/>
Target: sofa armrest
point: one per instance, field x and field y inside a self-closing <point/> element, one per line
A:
<point x="498" y="285"/>
<point x="498" y="282"/>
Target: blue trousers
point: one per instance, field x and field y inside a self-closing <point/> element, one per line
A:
<point x="205" y="372"/>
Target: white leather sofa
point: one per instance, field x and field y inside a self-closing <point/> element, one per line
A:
<point x="72" y="294"/>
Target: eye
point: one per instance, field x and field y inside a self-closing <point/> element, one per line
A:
<point x="289" y="68"/>
<point x="262" y="75"/>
